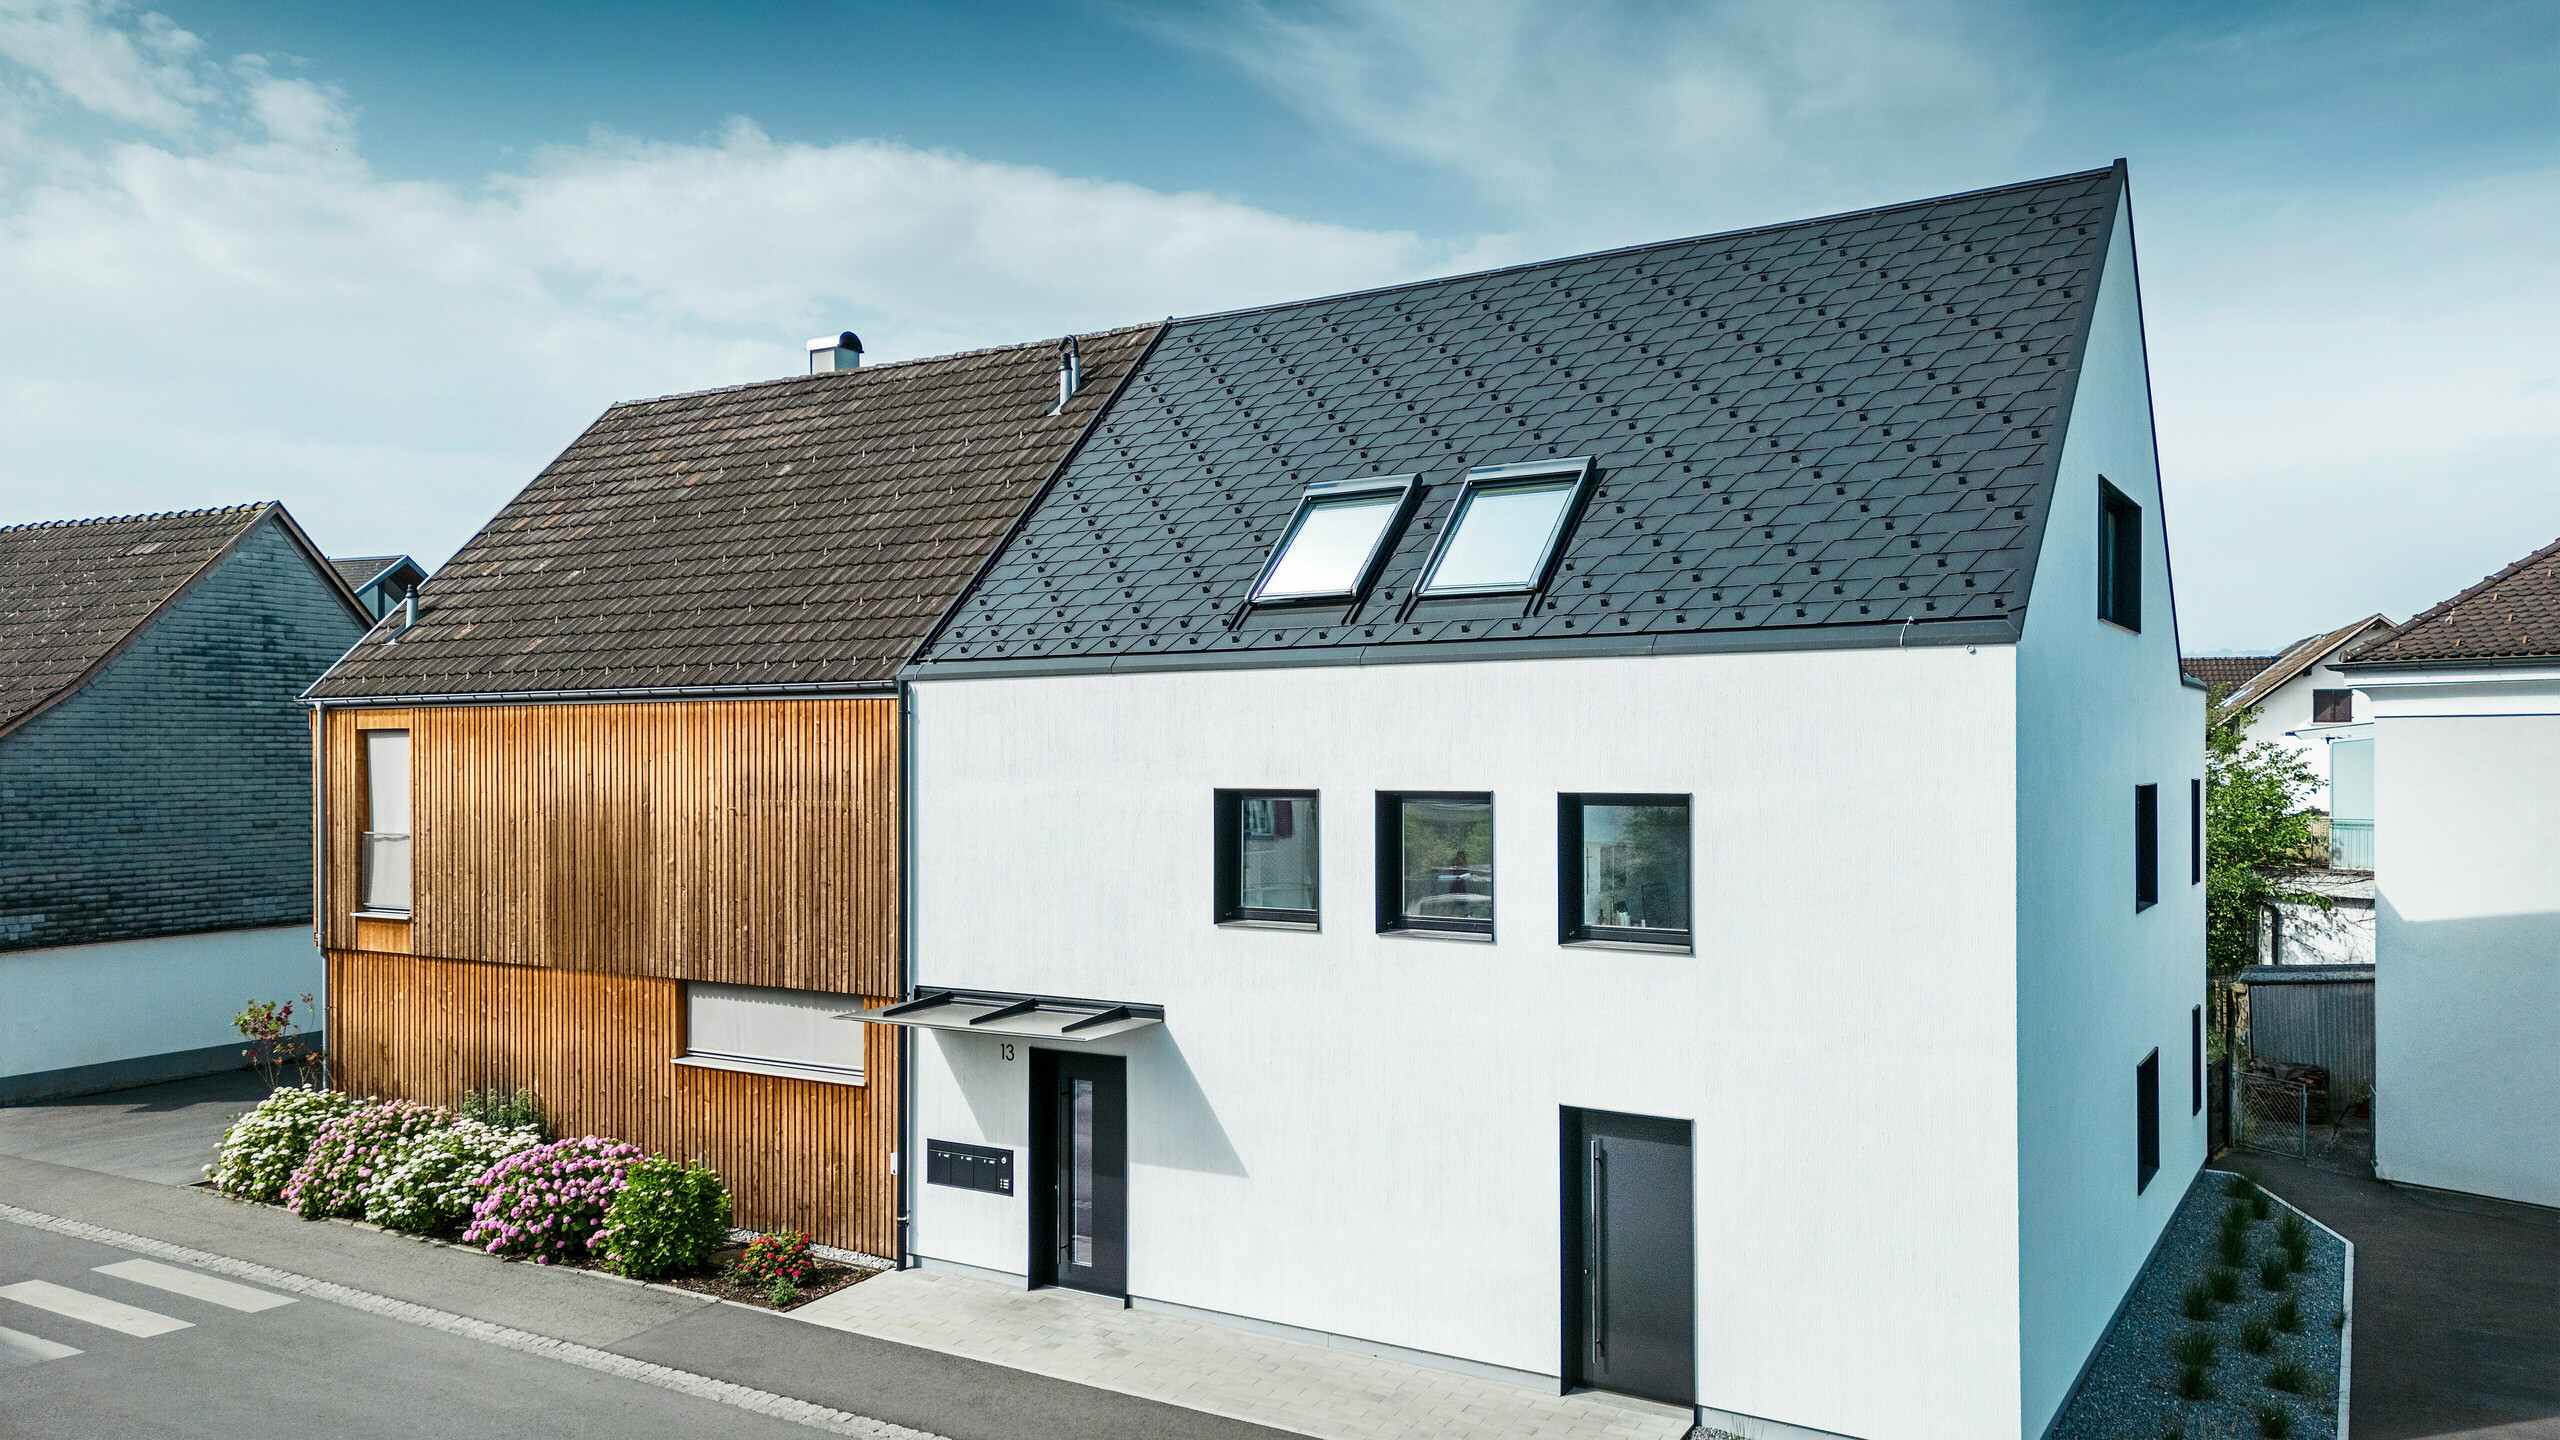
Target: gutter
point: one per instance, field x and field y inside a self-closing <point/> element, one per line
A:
<point x="624" y="693"/>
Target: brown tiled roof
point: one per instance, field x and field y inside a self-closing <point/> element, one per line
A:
<point x="2223" y="674"/>
<point x="72" y="591"/>
<point x="2301" y="655"/>
<point x="797" y="532"/>
<point x="2512" y="615"/>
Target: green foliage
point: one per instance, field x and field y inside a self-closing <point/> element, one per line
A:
<point x="2261" y="1205"/>
<point x="2275" y="1422"/>
<point x="2288" y="1377"/>
<point x="2273" y="1273"/>
<point x="345" y="1155"/>
<point x="2256" y="1338"/>
<point x="2198" y="1302"/>
<point x="2289" y="1316"/>
<point x="2196" y="1347"/>
<point x="2255" y="814"/>
<point x="783" y="1255"/>
<point x="505" y="1108"/>
<point x="780" y="1293"/>
<point x="262" y="1148"/>
<point x="268" y="1025"/>
<point x="428" y="1183"/>
<point x="666" y="1217"/>
<point x="2193" y="1384"/>
<point x="2235" y="1248"/>
<point x="2225" y="1284"/>
<point x="2293" y="1232"/>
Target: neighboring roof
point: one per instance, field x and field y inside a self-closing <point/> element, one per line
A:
<point x="2224" y="673"/>
<point x="1799" y="431"/>
<point x="2512" y="615"/>
<point x="794" y="533"/>
<point x="73" y="592"/>
<point x="362" y="570"/>
<point x="2301" y="655"/>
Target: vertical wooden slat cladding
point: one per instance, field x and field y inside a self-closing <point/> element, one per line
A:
<point x="805" y="1154"/>
<point x="752" y="842"/>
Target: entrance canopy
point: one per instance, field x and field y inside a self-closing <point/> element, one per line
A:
<point x="1030" y="1017"/>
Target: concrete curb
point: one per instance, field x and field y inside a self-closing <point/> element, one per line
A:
<point x="2346" y="1296"/>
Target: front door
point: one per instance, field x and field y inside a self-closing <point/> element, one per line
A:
<point x="1080" y="1109"/>
<point x="1630" y="1256"/>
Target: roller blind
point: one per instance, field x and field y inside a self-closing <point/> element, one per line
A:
<point x="386" y="820"/>
<point x="792" y="1031"/>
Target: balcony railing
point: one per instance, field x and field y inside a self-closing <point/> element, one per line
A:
<point x="386" y="871"/>
<point x="2350" y="844"/>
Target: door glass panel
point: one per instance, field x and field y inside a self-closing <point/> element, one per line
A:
<point x="1635" y="867"/>
<point x="1080" y="1173"/>
<point x="1502" y="538"/>
<point x="1279" y="853"/>
<point x="1448" y="860"/>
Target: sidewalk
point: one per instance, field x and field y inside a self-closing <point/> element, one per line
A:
<point x="164" y="1133"/>
<point x="1330" y="1394"/>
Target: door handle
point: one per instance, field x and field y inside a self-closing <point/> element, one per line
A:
<point x="1599" y="1253"/>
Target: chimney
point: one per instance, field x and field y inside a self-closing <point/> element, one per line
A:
<point x="835" y="352"/>
<point x="1070" y="373"/>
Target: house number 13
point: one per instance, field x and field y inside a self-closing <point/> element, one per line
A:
<point x="1005" y="1050"/>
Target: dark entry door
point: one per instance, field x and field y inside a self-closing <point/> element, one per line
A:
<point x="1630" y="1256"/>
<point x="1080" y="1109"/>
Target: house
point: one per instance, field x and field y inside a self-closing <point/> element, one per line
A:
<point x="2223" y="674"/>
<point x="380" y="581"/>
<point x="1377" y="825"/>
<point x="155" y="782"/>
<point x="613" y="813"/>
<point x="2465" y="702"/>
<point x="2305" y="704"/>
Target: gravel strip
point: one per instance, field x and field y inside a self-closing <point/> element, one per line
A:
<point x="2131" y="1391"/>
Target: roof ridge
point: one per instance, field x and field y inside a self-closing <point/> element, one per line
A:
<point x="2443" y="608"/>
<point x="126" y="519"/>
<point x="885" y="365"/>
<point x="2305" y="653"/>
<point x="1648" y="245"/>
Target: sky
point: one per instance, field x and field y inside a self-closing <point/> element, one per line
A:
<point x="382" y="262"/>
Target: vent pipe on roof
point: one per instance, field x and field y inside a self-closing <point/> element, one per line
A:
<point x="835" y="352"/>
<point x="1070" y="373"/>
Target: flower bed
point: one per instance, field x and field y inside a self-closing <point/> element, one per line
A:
<point x="263" y="1148"/>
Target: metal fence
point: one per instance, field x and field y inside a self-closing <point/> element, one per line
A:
<point x="2273" y="1114"/>
<point x="2314" y="1015"/>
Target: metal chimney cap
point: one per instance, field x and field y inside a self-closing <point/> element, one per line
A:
<point x="846" y="341"/>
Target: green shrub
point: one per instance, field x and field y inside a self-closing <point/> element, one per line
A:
<point x="262" y="1148"/>
<point x="2289" y="1315"/>
<point x="2261" y="1205"/>
<point x="2256" y="1338"/>
<point x="2235" y="1218"/>
<point x="2273" y="1273"/>
<point x="428" y="1186"/>
<point x="343" y="1157"/>
<point x="2198" y="1302"/>
<point x="505" y="1108"/>
<point x="2235" y="1249"/>
<point x="781" y="1294"/>
<point x="2293" y="1232"/>
<point x="782" y="1255"/>
<point x="2193" y="1384"/>
<point x="2288" y="1377"/>
<point x="2194" y="1348"/>
<point x="2239" y="1187"/>
<point x="2275" y="1422"/>
<point x="666" y="1217"/>
<point x="2225" y="1284"/>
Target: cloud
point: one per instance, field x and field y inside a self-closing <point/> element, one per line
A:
<point x="215" y="298"/>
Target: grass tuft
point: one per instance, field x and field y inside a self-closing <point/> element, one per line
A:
<point x="2235" y="1248"/>
<point x="2198" y="1302"/>
<point x="2275" y="1422"/>
<point x="2273" y="1273"/>
<point x="2289" y="1377"/>
<point x="2239" y="1187"/>
<point x="2261" y="1206"/>
<point x="2192" y="1384"/>
<point x="2235" y="1218"/>
<point x="2289" y="1316"/>
<point x="2256" y="1338"/>
<point x="2293" y="1232"/>
<point x="2194" y="1348"/>
<point x="2225" y="1284"/>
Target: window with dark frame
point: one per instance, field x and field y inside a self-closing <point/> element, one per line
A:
<point x="1267" y="858"/>
<point x="2195" y="832"/>
<point x="383" y="876"/>
<point x="1622" y="869"/>
<point x="1435" y="862"/>
<point x="1335" y="541"/>
<point x="2333" y="707"/>
<point x="2146" y="846"/>
<point x="2146" y="1103"/>
<point x="2119" y="558"/>
<point x="2195" y="1061"/>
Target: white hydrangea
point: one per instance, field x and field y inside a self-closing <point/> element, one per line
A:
<point x="428" y="1184"/>
<point x="261" y="1149"/>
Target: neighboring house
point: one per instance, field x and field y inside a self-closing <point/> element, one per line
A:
<point x="2293" y="932"/>
<point x="380" y="581"/>
<point x="1378" y="823"/>
<point x="155" y="784"/>
<point x="2223" y="674"/>
<point x="618" y="816"/>
<point x="2306" y="705"/>
<point x="2466" y="780"/>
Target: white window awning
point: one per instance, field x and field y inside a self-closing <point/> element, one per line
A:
<point x="1026" y="1017"/>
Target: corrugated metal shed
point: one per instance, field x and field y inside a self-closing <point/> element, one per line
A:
<point x="2315" y="1015"/>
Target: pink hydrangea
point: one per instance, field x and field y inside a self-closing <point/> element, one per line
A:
<point x="548" y="1202"/>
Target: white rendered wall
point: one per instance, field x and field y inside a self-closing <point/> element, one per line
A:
<point x="2289" y="710"/>
<point x="2100" y="710"/>
<point x="1358" y="1134"/>
<point x="128" y="999"/>
<point x="2466" y="997"/>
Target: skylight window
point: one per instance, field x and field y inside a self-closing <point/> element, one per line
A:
<point x="1334" y="543"/>
<point x="1503" y="532"/>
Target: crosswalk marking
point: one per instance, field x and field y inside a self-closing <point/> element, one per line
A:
<point x="82" y="1306"/>
<point x="195" y="1283"/>
<point x="19" y="1348"/>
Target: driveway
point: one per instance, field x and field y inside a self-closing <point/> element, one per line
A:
<point x="162" y="1133"/>
<point x="2457" y="1305"/>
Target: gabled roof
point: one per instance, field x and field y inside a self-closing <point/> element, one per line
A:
<point x="2301" y="655"/>
<point x="73" y="593"/>
<point x="362" y="570"/>
<point x="794" y="533"/>
<point x="2512" y="615"/>
<point x="2223" y="674"/>
<point x="1807" y="434"/>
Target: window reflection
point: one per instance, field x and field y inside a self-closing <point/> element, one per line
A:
<point x="1448" y="862"/>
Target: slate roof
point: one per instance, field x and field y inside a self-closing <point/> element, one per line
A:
<point x="793" y="533"/>
<point x="72" y="592"/>
<point x="1800" y="430"/>
<point x="2512" y="615"/>
<point x="2299" y="656"/>
<point x="2222" y="674"/>
<point x="357" y="569"/>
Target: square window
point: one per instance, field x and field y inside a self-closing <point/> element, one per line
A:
<point x="2333" y="707"/>
<point x="1435" y="863"/>
<point x="1505" y="529"/>
<point x="2146" y="846"/>
<point x="1334" y="543"/>
<point x="2146" y="1121"/>
<point x="1267" y="857"/>
<point x="2119" y="558"/>
<point x="1623" y="869"/>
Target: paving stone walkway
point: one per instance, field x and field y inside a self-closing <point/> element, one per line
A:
<point x="1331" y="1394"/>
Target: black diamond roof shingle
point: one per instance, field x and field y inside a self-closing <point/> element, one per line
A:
<point x="799" y="532"/>
<point x="1848" y="421"/>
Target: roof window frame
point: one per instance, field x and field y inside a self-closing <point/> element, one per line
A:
<point x="1578" y="469"/>
<point x="1406" y="488"/>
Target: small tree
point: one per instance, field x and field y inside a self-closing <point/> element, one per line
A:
<point x="268" y="1027"/>
<point x="2256" y="815"/>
